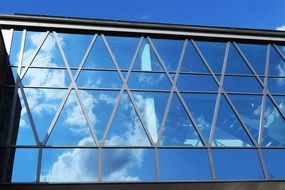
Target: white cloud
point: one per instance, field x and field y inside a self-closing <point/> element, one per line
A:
<point x="281" y="28"/>
<point x="74" y="165"/>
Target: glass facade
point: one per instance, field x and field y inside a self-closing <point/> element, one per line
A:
<point x="112" y="108"/>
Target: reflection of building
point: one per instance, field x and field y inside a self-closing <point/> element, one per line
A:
<point x="151" y="106"/>
<point x="6" y="100"/>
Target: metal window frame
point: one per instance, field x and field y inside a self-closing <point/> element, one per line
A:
<point x="189" y="34"/>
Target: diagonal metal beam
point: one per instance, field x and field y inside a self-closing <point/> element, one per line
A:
<point x="204" y="142"/>
<point x="35" y="54"/>
<point x="125" y="86"/>
<point x="73" y="83"/>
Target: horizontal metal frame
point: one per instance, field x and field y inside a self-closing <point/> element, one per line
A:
<point x="140" y="147"/>
<point x="29" y="21"/>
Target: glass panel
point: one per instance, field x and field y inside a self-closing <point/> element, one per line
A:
<point x="126" y="128"/>
<point x="184" y="164"/>
<point x="249" y="108"/>
<point x="196" y="83"/>
<point x="74" y="46"/>
<point x="71" y="127"/>
<point x="99" y="56"/>
<point x="273" y="126"/>
<point x="25" y="165"/>
<point x="280" y="100"/>
<point x="99" y="106"/>
<point x="157" y="81"/>
<point x="128" y="165"/>
<point x="15" y="48"/>
<point x="276" y="63"/>
<point x="99" y="79"/>
<point x="235" y="63"/>
<point x="276" y="85"/>
<point x="43" y="104"/>
<point x="237" y="164"/>
<point x="123" y="49"/>
<point x="7" y="37"/>
<point x="69" y="165"/>
<point x="46" y="78"/>
<point x="169" y="51"/>
<point x="214" y="53"/>
<point x="242" y="84"/>
<point x="22" y="124"/>
<point x="179" y="130"/>
<point x="151" y="106"/>
<point x="256" y="55"/>
<point x="228" y="129"/>
<point x="202" y="108"/>
<point x="192" y="62"/>
<point x="146" y="60"/>
<point x="49" y="54"/>
<point x="274" y="161"/>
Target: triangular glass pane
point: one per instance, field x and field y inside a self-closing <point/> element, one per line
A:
<point x="49" y="54"/>
<point x="169" y="51"/>
<point x="71" y="127"/>
<point x="151" y="106"/>
<point x="146" y="59"/>
<point x="235" y="63"/>
<point x="179" y="130"/>
<point x="273" y="126"/>
<point x="276" y="63"/>
<point x="280" y="100"/>
<point x="126" y="128"/>
<point x="43" y="104"/>
<point x="249" y="108"/>
<point x="25" y="132"/>
<point x="202" y="108"/>
<point x="192" y="62"/>
<point x="214" y="53"/>
<point x="46" y="78"/>
<point x="99" y="106"/>
<point x="228" y="129"/>
<point x="123" y="49"/>
<point x="256" y="55"/>
<point x="15" y="47"/>
<point x="74" y="47"/>
<point x="99" y="56"/>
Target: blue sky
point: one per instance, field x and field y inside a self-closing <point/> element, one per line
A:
<point x="260" y="14"/>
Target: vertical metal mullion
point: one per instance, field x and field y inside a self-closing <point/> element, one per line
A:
<point x="34" y="56"/>
<point x="39" y="165"/>
<point x="100" y="172"/>
<point x="76" y="89"/>
<point x="118" y="100"/>
<point x="217" y="105"/>
<point x="157" y="163"/>
<point x="14" y="104"/>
